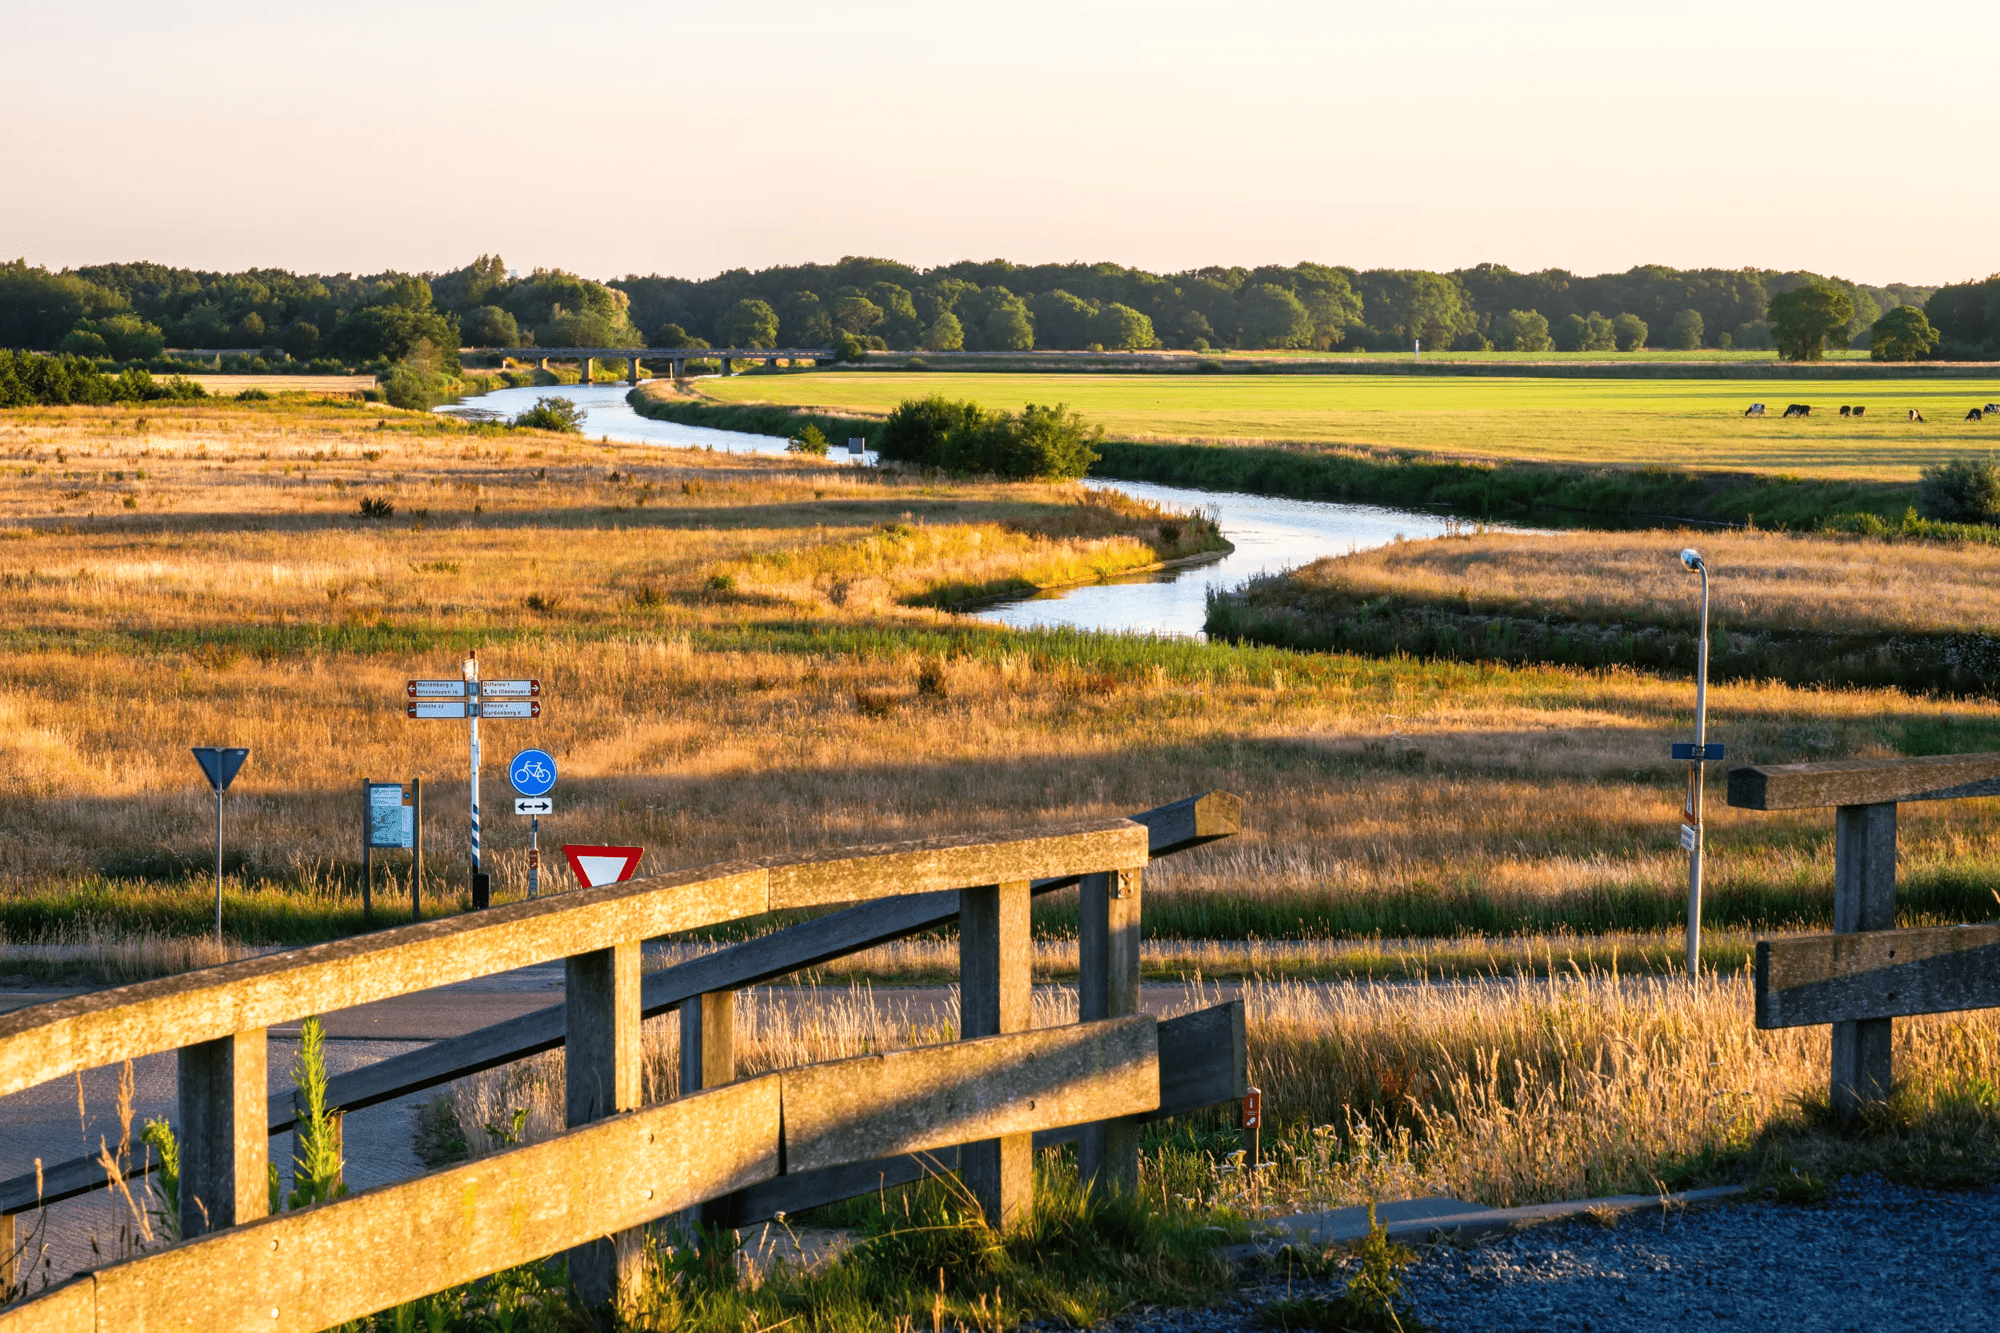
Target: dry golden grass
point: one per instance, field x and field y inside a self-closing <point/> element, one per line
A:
<point x="1504" y="1093"/>
<point x="1782" y="581"/>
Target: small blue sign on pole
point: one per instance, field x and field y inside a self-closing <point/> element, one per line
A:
<point x="1689" y="750"/>
<point x="220" y="763"/>
<point x="533" y="772"/>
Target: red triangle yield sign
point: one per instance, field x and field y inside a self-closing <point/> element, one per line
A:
<point x="594" y="866"/>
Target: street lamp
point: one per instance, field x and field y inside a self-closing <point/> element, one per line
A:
<point x="1691" y="822"/>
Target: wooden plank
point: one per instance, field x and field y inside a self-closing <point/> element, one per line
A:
<point x="1204" y="1060"/>
<point x="708" y="1060"/>
<point x="602" y="1073"/>
<point x="1864" y="781"/>
<point x="935" y="1096"/>
<point x="996" y="949"/>
<point x="955" y="862"/>
<point x="1108" y="987"/>
<point x="70" y="1308"/>
<point x="1881" y="974"/>
<point x="222" y="1088"/>
<point x="313" y="1269"/>
<point x="1171" y="828"/>
<point x="1864" y="900"/>
<point x="48" y="1041"/>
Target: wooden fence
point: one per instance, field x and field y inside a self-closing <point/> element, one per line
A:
<point x="1866" y="974"/>
<point x="737" y="1149"/>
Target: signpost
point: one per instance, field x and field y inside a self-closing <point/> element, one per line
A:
<point x="1696" y="754"/>
<point x="221" y="764"/>
<point x="392" y="815"/>
<point x="471" y="699"/>
<point x="533" y="773"/>
<point x="595" y="866"/>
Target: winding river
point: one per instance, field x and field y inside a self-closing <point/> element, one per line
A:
<point x="1269" y="533"/>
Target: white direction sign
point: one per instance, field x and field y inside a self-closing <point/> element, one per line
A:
<point x="534" y="805"/>
<point x="437" y="708"/>
<point x="436" y="689"/>
<point x="510" y="708"/>
<point x="509" y="689"/>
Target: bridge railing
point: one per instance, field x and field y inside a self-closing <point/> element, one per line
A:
<point x="1867" y="973"/>
<point x="738" y="1149"/>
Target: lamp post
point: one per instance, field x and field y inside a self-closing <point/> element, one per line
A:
<point x="1691" y="822"/>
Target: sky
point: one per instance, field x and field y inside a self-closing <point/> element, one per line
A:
<point x="1847" y="139"/>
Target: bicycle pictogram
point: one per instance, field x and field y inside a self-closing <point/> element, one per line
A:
<point x="533" y="772"/>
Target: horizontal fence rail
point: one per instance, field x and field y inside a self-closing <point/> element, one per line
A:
<point x="322" y="1266"/>
<point x="1867" y="973"/>
<point x="1171" y="829"/>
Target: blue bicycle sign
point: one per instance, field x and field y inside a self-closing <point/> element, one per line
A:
<point x="533" y="772"/>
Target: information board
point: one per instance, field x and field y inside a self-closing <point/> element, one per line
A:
<point x="392" y="815"/>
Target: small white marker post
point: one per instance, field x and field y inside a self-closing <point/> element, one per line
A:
<point x="471" y="699"/>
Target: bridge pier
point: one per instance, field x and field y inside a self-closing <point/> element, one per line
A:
<point x="589" y="368"/>
<point x="542" y="362"/>
<point x="770" y="363"/>
<point x="632" y="370"/>
<point x="727" y="363"/>
<point x="679" y="368"/>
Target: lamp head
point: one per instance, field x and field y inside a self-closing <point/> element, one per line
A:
<point x="1691" y="558"/>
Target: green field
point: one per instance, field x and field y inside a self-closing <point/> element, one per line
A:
<point x="1678" y="423"/>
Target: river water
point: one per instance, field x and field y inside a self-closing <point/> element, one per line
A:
<point x="1269" y="533"/>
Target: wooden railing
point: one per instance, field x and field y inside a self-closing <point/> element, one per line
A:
<point x="1866" y="974"/>
<point x="738" y="1149"/>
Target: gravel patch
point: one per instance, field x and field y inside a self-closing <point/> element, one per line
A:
<point x="1873" y="1257"/>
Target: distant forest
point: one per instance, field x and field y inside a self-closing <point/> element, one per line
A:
<point x="132" y="312"/>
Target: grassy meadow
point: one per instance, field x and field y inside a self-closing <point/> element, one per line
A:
<point x="1683" y="424"/>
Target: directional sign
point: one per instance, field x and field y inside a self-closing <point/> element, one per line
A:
<point x="510" y="689"/>
<point x="534" y="805"/>
<point x="437" y="708"/>
<point x="533" y="772"/>
<point x="595" y="866"/>
<point x="436" y="689"/>
<point x="1687" y="837"/>
<point x="510" y="708"/>
<point x="220" y="764"/>
<point x="1689" y="750"/>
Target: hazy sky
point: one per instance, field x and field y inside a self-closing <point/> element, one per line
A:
<point x="1854" y="139"/>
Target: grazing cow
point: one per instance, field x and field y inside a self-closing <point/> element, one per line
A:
<point x="1991" y="408"/>
<point x="1916" y="415"/>
<point x="1798" y="410"/>
<point x="1754" y="410"/>
<point x="1973" y="415"/>
<point x="1859" y="411"/>
<point x="1845" y="410"/>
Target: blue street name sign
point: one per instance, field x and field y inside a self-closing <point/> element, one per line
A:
<point x="533" y="772"/>
<point x="1689" y="750"/>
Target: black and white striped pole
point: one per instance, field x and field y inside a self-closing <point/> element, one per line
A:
<point x="482" y="887"/>
<point x="1692" y="831"/>
<point x="473" y="699"/>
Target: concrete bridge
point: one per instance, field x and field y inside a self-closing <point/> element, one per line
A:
<point x="588" y="357"/>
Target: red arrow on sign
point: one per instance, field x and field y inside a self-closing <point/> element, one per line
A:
<point x="594" y="866"/>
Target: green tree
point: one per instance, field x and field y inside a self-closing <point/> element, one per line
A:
<point x="1521" y="331"/>
<point x="855" y="314"/>
<point x="83" y="341"/>
<point x="392" y="333"/>
<point x="1960" y="490"/>
<point x="1062" y="320"/>
<point x="1049" y="443"/>
<point x="488" y="326"/>
<point x="1684" y="334"/>
<point x="995" y="320"/>
<point x="1803" y="318"/>
<point x="406" y="291"/>
<point x="1270" y="316"/>
<point x="748" y="323"/>
<point x="1121" y="328"/>
<point x="803" y="322"/>
<point x="1586" y="333"/>
<point x="673" y="335"/>
<point x="1904" y="334"/>
<point x="300" y="339"/>
<point x="812" y="440"/>
<point x="1413" y="305"/>
<point x="557" y="414"/>
<point x="1628" y="332"/>
<point x="945" y="334"/>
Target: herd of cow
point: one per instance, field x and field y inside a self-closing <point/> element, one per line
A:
<point x="1805" y="410"/>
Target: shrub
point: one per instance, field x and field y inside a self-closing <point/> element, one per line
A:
<point x="847" y="347"/>
<point x="557" y="414"/>
<point x="412" y="387"/>
<point x="915" y="432"/>
<point x="811" y="440"/>
<point x="1960" y="490"/>
<point x="371" y="507"/>
<point x="253" y="396"/>
<point x="1684" y="334"/>
<point x="1629" y="332"/>
<point x="1041" y="442"/>
<point x="1904" y="334"/>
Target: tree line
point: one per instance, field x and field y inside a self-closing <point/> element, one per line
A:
<point x="132" y="313"/>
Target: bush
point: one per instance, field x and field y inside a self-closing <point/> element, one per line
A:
<point x="1904" y="334"/>
<point x="558" y="414"/>
<point x="29" y="378"/>
<point x="1472" y="341"/>
<point x="412" y="387"/>
<point x="1960" y="490"/>
<point x="1047" y="443"/>
<point x="1628" y="332"/>
<point x="915" y="432"/>
<point x="811" y="440"/>
<point x="1684" y="334"/>
<point x="847" y="347"/>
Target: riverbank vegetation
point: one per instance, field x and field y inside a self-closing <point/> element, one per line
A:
<point x="1860" y="610"/>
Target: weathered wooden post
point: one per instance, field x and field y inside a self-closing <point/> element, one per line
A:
<point x="708" y="1060"/>
<point x="8" y="1267"/>
<point x="223" y="1132"/>
<point x="995" y="996"/>
<point x="1107" y="986"/>
<point x="601" y="1077"/>
<point x="1864" y="898"/>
